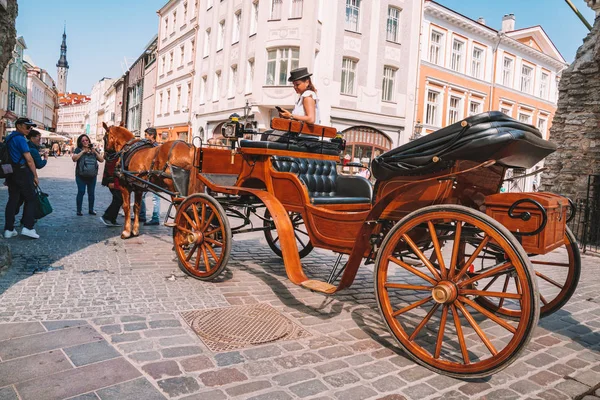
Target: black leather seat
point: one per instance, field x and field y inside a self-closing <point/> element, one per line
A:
<point x="324" y="185"/>
<point x="488" y="136"/>
<point x="301" y="143"/>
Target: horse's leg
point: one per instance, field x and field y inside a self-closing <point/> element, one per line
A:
<point x="125" y="192"/>
<point x="136" y="212"/>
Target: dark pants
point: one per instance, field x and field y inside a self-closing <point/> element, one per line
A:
<point x="82" y="184"/>
<point x="20" y="185"/>
<point x="113" y="209"/>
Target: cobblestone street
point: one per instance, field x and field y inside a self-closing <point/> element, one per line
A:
<point x="86" y="315"/>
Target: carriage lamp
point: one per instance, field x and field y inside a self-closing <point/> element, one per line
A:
<point x="233" y="128"/>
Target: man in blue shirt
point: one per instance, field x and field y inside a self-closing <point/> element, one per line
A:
<point x="22" y="182"/>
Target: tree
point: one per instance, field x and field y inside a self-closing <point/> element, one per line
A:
<point x="8" y="32"/>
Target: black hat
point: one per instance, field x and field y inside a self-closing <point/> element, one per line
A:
<point x="151" y="131"/>
<point x="298" y="73"/>
<point x="25" y="121"/>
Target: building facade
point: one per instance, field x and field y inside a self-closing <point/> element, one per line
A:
<point x="363" y="56"/>
<point x="176" y="47"/>
<point x="3" y="102"/>
<point x="17" y="85"/>
<point x="97" y="110"/>
<point x="62" y="66"/>
<point x="71" y="114"/>
<point x="149" y="85"/>
<point x="50" y="102"/>
<point x="36" y="93"/>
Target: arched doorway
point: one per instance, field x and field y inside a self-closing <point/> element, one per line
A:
<point x="364" y="143"/>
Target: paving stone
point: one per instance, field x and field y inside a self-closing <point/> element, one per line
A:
<point x="341" y="379"/>
<point x="376" y="370"/>
<point x="145" y="356"/>
<point x="87" y="396"/>
<point x="590" y="377"/>
<point x="231" y="358"/>
<point x="153" y="333"/>
<point x="356" y="393"/>
<point x="182" y="351"/>
<point x="162" y="369"/>
<point x="167" y="323"/>
<point x="442" y="382"/>
<point x="552" y="394"/>
<point x="389" y="383"/>
<point x="392" y="397"/>
<point x="418" y="391"/>
<point x="293" y="377"/>
<point x="503" y="394"/>
<point x="561" y="369"/>
<point x="452" y="395"/>
<point x="35" y="366"/>
<point x="279" y="395"/>
<point x="197" y="363"/>
<point x="56" y="325"/>
<point x="247" y="388"/>
<point x="473" y="388"/>
<point x="10" y="331"/>
<point x="295" y="361"/>
<point x="572" y="388"/>
<point x="222" y="377"/>
<point x="140" y="345"/>
<point x="541" y="360"/>
<point x="544" y="378"/>
<point x="132" y="318"/>
<point x="261" y="368"/>
<point x="135" y="326"/>
<point x="577" y="363"/>
<point x="414" y="374"/>
<point x="89" y="353"/>
<point x="262" y="352"/>
<point x="207" y="395"/>
<point x="335" y="352"/>
<point x="111" y="329"/>
<point x="8" y="393"/>
<point x="104" y="321"/>
<point x="358" y="359"/>
<point x="176" y="341"/>
<point x="137" y="389"/>
<point x="179" y="386"/>
<point x="308" y="388"/>
<point x="125" y="337"/>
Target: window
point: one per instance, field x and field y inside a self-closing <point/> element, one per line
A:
<point x="389" y="75"/>
<point x="209" y="4"/>
<point x="174" y="21"/>
<point x="393" y="25"/>
<point x="458" y="48"/>
<point x="221" y="35"/>
<point x="254" y="19"/>
<point x="276" y="6"/>
<point x="203" y="89"/>
<point x="185" y="12"/>
<point x="168" y="101"/>
<point x="249" y="76"/>
<point x="348" y="76"/>
<point x="206" y="43"/>
<point x="178" y="103"/>
<point x="235" y="32"/>
<point x="525" y="118"/>
<point x="182" y="54"/>
<point x="166" y="32"/>
<point x="163" y="64"/>
<point x="187" y="96"/>
<point x="506" y="111"/>
<point x="542" y="125"/>
<point x="474" y="108"/>
<point x="432" y="109"/>
<point x="526" y="73"/>
<point x="544" y="85"/>
<point x="232" y="82"/>
<point x="170" y="61"/>
<point x="192" y="49"/>
<point x="454" y="110"/>
<point x="476" y="64"/>
<point x="352" y="15"/>
<point x="279" y="63"/>
<point x="216" y="86"/>
<point x="435" y="46"/>
<point x="507" y="72"/>
<point x="297" y="6"/>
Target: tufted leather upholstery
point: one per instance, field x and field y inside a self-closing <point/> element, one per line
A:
<point x="324" y="185"/>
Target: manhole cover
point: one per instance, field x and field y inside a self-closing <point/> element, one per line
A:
<point x="224" y="329"/>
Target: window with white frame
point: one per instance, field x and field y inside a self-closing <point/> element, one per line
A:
<point x="526" y="118"/>
<point x="297" y="8"/>
<point x="171" y="64"/>
<point x="254" y="19"/>
<point x="507" y="70"/>
<point x="232" y="82"/>
<point x="348" y="76"/>
<point x="475" y="107"/>
<point x="203" y="89"/>
<point x="192" y="49"/>
<point x="187" y="96"/>
<point x="185" y="11"/>
<point x="178" y="100"/>
<point x="477" y="63"/>
<point x="432" y="108"/>
<point x="454" y="110"/>
<point x="249" y="76"/>
<point x="507" y="111"/>
<point x="216" y="86"/>
<point x="542" y="125"/>
<point x="279" y="64"/>
<point x="393" y="25"/>
<point x="163" y="65"/>
<point x="276" y="9"/>
<point x="221" y="35"/>
<point x="181" y="54"/>
<point x="209" y="4"/>
<point x="352" y="15"/>
<point x="544" y="84"/>
<point x="174" y="21"/>
<point x="526" y="76"/>
<point x="458" y="50"/>
<point x="435" y="47"/>
<point x="166" y="27"/>
<point x="168" y="105"/>
<point x="235" y="32"/>
<point x="389" y="79"/>
<point x="160" y="102"/>
<point x="206" y="50"/>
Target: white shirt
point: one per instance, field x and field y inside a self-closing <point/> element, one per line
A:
<point x="299" y="107"/>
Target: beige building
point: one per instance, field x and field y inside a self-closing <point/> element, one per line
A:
<point x="149" y="86"/>
<point x="364" y="56"/>
<point x="71" y="114"/>
<point x="3" y="101"/>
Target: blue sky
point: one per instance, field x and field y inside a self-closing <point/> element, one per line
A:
<point x="100" y="34"/>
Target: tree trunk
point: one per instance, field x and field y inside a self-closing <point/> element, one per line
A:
<point x="8" y="33"/>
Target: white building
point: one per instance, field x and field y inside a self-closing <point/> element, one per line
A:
<point x="36" y="93"/>
<point x="71" y="114"/>
<point x="364" y="56"/>
<point x="96" y="109"/>
<point x="175" y="64"/>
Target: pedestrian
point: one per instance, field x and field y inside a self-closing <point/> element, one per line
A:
<point x="33" y="142"/>
<point x="109" y="179"/>
<point x="150" y="134"/>
<point x="22" y="182"/>
<point x="86" y="172"/>
<point x="306" y="108"/>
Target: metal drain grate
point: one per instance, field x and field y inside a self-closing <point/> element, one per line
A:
<point x="224" y="329"/>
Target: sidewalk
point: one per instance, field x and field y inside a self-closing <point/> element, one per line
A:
<point x="86" y="315"/>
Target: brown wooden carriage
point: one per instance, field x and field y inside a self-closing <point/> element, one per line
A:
<point x="454" y="286"/>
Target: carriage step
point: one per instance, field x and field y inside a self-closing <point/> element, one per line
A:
<point x="319" y="286"/>
<point x="170" y="224"/>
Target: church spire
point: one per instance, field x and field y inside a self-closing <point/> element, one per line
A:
<point x="62" y="64"/>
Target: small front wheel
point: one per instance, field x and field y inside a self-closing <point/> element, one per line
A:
<point x="202" y="237"/>
<point x="302" y="239"/>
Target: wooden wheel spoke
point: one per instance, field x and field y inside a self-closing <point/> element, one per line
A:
<point x="553" y="264"/>
<point x="184" y="229"/>
<point x="484" y="293"/>
<point x="424" y="322"/>
<point x="471" y="259"/>
<point x="210" y="219"/>
<point x="300" y="240"/>
<point x="189" y="220"/>
<point x="543" y="299"/>
<point x="437" y="249"/>
<point x="440" y="337"/>
<point x="203" y="214"/>
<point x="197" y="263"/>
<point x="205" y="257"/>
<point x="275" y="240"/>
<point x="477" y="329"/>
<point x="504" y="288"/>
<point x="212" y="253"/>
<point x="407" y="287"/>
<point x="490" y="283"/>
<point x="488" y="314"/>
<point x="196" y="217"/>
<point x="413" y="270"/>
<point x="460" y="335"/>
<point x="187" y="258"/>
<point x="414" y="305"/>
<point x="455" y="249"/>
<point x="548" y="279"/>
<point x="421" y="256"/>
<point x="212" y="241"/>
<point x="486" y="274"/>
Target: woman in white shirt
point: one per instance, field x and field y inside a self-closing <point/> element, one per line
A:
<point x="307" y="105"/>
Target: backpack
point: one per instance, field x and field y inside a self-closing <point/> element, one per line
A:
<point x="6" y="163"/>
<point x="87" y="167"/>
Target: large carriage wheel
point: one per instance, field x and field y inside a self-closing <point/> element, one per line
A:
<point x="300" y="232"/>
<point x="557" y="275"/>
<point x="426" y="294"/>
<point x="202" y="237"/>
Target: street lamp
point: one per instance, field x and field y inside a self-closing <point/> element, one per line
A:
<point x="417" y="131"/>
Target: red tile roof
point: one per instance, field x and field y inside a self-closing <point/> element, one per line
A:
<point x="66" y="99"/>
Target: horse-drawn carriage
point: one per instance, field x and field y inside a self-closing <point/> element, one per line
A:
<point x="453" y="258"/>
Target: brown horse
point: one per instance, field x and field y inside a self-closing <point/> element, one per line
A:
<point x="161" y="158"/>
